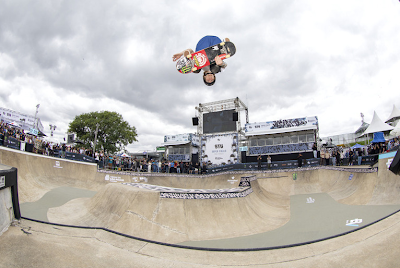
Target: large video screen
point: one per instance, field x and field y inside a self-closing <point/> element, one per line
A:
<point x="219" y="122"/>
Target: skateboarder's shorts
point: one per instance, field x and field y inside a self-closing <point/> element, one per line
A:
<point x="207" y="41"/>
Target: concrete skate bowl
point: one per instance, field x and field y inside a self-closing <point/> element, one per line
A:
<point x="278" y="212"/>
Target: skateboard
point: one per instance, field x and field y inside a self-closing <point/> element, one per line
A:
<point x="205" y="57"/>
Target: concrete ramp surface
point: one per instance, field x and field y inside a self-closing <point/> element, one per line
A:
<point x="274" y="210"/>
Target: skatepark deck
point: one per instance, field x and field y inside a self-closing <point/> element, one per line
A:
<point x="271" y="208"/>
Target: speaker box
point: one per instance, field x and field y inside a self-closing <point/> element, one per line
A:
<point x="195" y="121"/>
<point x="395" y="166"/>
<point x="235" y="116"/>
<point x="243" y="156"/>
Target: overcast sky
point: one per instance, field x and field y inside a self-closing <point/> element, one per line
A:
<point x="331" y="59"/>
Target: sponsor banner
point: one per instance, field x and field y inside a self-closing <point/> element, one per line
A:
<point x="178" y="157"/>
<point x="313" y="162"/>
<point x="282" y="148"/>
<point x="140" y="179"/>
<point x="206" y="195"/>
<point x="79" y="157"/>
<point x="74" y="156"/>
<point x="365" y="160"/>
<point x="111" y="178"/>
<point x="220" y="149"/>
<point x="292" y="124"/>
<point x="12" y="142"/>
<point x="23" y="120"/>
<point x="33" y="131"/>
<point x="160" y="149"/>
<point x="180" y="138"/>
<point x="195" y="140"/>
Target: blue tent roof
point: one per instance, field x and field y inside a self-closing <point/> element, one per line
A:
<point x="378" y="137"/>
<point x="356" y="146"/>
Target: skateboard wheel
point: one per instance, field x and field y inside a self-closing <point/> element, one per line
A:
<point x="194" y="69"/>
<point x="223" y="43"/>
<point x="227" y="56"/>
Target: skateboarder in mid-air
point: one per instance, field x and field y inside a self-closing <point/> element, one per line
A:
<point x="209" y="71"/>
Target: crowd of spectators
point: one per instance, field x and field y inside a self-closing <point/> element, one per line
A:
<point x="115" y="162"/>
<point x="39" y="145"/>
<point x="106" y="161"/>
<point x="328" y="156"/>
<point x="336" y="155"/>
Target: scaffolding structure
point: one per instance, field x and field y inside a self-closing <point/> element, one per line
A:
<point x="223" y="105"/>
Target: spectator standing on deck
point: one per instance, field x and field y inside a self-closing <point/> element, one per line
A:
<point x="269" y="161"/>
<point x="322" y="157"/>
<point x="359" y="157"/>
<point x="334" y="153"/>
<point x="259" y="162"/>
<point x="351" y="155"/>
<point x="337" y="158"/>
<point x="64" y="147"/>
<point x="299" y="160"/>
<point x="327" y="156"/>
<point x="204" y="168"/>
<point x="315" y="150"/>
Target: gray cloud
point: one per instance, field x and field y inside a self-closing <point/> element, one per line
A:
<point x="293" y="59"/>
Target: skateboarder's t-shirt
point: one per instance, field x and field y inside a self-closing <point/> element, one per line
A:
<point x="207" y="41"/>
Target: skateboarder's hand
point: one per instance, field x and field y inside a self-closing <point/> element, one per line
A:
<point x="218" y="61"/>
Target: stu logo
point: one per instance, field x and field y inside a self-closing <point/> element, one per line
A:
<point x="354" y="222"/>
<point x="57" y="165"/>
<point x="232" y="181"/>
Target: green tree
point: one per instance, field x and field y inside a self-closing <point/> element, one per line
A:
<point x="113" y="132"/>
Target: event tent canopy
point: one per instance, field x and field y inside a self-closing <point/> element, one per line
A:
<point x="357" y="146"/>
<point x="378" y="137"/>
<point x="394" y="115"/>
<point x="377" y="125"/>
<point x="396" y="131"/>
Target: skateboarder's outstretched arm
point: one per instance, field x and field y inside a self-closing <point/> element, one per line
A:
<point x="176" y="56"/>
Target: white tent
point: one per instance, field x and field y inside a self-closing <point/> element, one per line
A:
<point x="377" y="125"/>
<point x="395" y="115"/>
<point x="396" y="131"/>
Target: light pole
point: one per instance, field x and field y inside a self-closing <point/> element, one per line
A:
<point x="95" y="139"/>
<point x="22" y="120"/>
<point x="36" y="122"/>
<point x="52" y="128"/>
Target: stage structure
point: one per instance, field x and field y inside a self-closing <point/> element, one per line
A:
<point x="220" y="116"/>
<point x="182" y="147"/>
<point x="282" y="139"/>
<point x="220" y="131"/>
